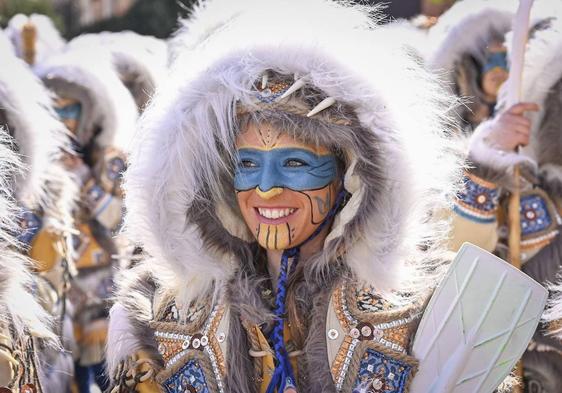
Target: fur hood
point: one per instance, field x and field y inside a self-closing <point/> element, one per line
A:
<point x="469" y="25"/>
<point x="107" y="106"/>
<point x="178" y="186"/>
<point x="49" y="41"/>
<point x="40" y="140"/>
<point x="16" y="300"/>
<point x="141" y="61"/>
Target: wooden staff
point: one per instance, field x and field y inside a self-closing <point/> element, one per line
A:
<point x="29" y="38"/>
<point x="519" y="41"/>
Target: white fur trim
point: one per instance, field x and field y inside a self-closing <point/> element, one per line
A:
<point x="481" y="152"/>
<point x="121" y="341"/>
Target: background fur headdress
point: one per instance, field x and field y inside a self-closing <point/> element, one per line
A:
<point x="108" y="110"/>
<point x="399" y="168"/>
<point x="40" y="139"/>
<point x="141" y="61"/>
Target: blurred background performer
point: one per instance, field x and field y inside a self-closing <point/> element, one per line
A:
<point x="45" y="194"/>
<point x="481" y="210"/>
<point x="24" y="324"/>
<point x="100" y="114"/>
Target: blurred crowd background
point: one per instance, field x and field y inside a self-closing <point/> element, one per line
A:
<point x="157" y="17"/>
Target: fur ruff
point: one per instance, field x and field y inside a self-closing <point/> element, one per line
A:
<point x="40" y="140"/>
<point x="106" y="103"/>
<point x="49" y="41"/>
<point x="191" y="119"/>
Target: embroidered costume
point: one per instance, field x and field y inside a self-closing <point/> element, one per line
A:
<point x="201" y="313"/>
<point x="100" y="113"/>
<point x="481" y="210"/>
<point x="45" y="194"/>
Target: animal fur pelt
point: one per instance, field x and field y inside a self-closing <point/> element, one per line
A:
<point x="40" y="139"/>
<point x="49" y="40"/>
<point x="399" y="165"/>
<point x="108" y="110"/>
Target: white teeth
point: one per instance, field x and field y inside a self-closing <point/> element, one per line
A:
<point x="275" y="213"/>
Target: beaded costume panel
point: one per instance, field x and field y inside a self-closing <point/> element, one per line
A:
<point x="190" y="346"/>
<point x="373" y="337"/>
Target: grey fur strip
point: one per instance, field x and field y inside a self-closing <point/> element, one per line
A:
<point x="545" y="265"/>
<point x="320" y="378"/>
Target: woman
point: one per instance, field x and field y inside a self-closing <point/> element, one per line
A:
<point x="279" y="186"/>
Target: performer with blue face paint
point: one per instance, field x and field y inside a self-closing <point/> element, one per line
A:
<point x="285" y="188"/>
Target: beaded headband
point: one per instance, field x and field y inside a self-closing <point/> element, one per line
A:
<point x="281" y="95"/>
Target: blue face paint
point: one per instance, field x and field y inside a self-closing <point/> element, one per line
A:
<point x="292" y="168"/>
<point x="496" y="59"/>
<point x="70" y="112"/>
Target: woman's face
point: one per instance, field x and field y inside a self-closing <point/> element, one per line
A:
<point x="495" y="72"/>
<point x="69" y="111"/>
<point x="285" y="188"/>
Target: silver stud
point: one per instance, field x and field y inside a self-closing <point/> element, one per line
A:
<point x="196" y="343"/>
<point x="333" y="334"/>
<point x="366" y="331"/>
<point x="377" y="384"/>
<point x="204" y="341"/>
<point x="185" y="343"/>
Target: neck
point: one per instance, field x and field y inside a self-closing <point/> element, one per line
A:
<point x="307" y="250"/>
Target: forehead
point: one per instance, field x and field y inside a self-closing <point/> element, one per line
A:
<point x="265" y="136"/>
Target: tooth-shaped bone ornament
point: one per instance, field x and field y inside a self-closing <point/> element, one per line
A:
<point x="294" y="87"/>
<point x="326" y="103"/>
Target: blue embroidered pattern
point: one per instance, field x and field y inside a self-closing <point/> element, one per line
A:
<point x="534" y="215"/>
<point x="380" y="373"/>
<point x="189" y="378"/>
<point x="29" y="226"/>
<point x="477" y="202"/>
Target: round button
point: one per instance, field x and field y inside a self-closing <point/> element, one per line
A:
<point x="354" y="333"/>
<point x="204" y="341"/>
<point x="185" y="343"/>
<point x="366" y="331"/>
<point x="221" y="337"/>
<point x="376" y="384"/>
<point x="333" y="334"/>
<point x="196" y="343"/>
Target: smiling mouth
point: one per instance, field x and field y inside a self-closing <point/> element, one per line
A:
<point x="274" y="215"/>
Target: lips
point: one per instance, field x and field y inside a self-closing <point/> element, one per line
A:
<point x="270" y="215"/>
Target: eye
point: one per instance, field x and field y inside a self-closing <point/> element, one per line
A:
<point x="294" y="163"/>
<point x="247" y="164"/>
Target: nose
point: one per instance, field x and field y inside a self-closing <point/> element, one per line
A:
<point x="271" y="193"/>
